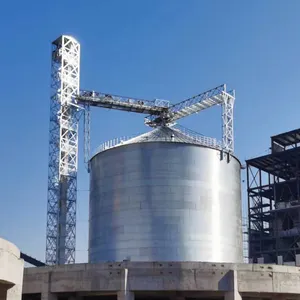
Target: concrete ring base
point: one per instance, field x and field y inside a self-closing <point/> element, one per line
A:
<point x="162" y="280"/>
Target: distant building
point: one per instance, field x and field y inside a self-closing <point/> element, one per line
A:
<point x="274" y="202"/>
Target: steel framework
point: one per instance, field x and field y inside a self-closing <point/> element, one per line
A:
<point x="63" y="148"/>
<point x="210" y="98"/>
<point x="87" y="128"/>
<point x="67" y="102"/>
<point x="162" y="114"/>
<point x="274" y="201"/>
<point x="227" y="118"/>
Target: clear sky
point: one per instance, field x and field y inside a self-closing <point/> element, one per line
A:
<point x="153" y="48"/>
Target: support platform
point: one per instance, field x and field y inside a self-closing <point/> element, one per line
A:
<point x="161" y="280"/>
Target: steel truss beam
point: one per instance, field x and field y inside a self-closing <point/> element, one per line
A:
<point x="162" y="114"/>
<point x="63" y="150"/>
<point x="210" y="98"/>
<point x="91" y="98"/>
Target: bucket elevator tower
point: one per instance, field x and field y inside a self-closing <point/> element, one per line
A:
<point x="63" y="147"/>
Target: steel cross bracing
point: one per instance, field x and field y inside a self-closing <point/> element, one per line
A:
<point x="227" y="120"/>
<point x="273" y="185"/>
<point x="63" y="148"/>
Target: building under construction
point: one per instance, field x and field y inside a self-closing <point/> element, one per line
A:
<point x="274" y="202"/>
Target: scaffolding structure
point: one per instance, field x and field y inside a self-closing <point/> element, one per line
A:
<point x="273" y="183"/>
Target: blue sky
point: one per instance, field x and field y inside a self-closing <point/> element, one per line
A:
<point x="160" y="48"/>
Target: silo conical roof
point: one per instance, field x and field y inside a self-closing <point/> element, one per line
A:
<point x="163" y="134"/>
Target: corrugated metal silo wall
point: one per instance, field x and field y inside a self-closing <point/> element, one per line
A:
<point x="165" y="202"/>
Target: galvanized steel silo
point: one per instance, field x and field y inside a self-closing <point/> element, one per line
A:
<point x="164" y="197"/>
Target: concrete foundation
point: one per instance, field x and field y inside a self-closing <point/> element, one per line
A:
<point x="11" y="271"/>
<point x="161" y="281"/>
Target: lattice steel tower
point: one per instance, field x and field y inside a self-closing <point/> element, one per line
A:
<point x="63" y="148"/>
